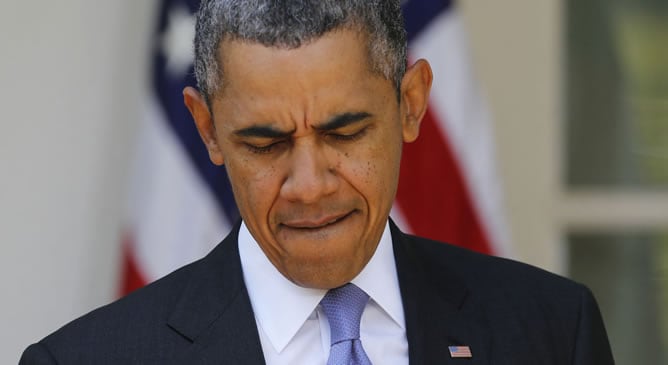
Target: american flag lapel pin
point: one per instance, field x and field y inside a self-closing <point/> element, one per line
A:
<point x="460" y="351"/>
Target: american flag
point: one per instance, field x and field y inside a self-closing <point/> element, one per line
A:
<point x="181" y="205"/>
<point x="460" y="351"/>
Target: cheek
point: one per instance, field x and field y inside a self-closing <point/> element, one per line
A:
<point x="255" y="186"/>
<point x="373" y="171"/>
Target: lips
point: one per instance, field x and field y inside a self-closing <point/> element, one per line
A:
<point x="315" y="223"/>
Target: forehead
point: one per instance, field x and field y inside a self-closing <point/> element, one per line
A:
<point x="329" y="70"/>
<point x="342" y="47"/>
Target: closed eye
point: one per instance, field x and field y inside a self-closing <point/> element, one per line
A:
<point x="263" y="149"/>
<point x="350" y="136"/>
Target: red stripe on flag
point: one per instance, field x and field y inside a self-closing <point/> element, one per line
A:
<point x="433" y="195"/>
<point x="131" y="277"/>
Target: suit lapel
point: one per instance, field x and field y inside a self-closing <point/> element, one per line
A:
<point x="215" y="312"/>
<point x="434" y="301"/>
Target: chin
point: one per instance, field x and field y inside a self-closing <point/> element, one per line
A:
<point x="322" y="276"/>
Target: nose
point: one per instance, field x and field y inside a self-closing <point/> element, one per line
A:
<point x="311" y="173"/>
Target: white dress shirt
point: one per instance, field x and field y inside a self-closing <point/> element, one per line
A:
<point x="292" y="326"/>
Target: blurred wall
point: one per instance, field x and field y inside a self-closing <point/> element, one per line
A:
<point x="517" y="54"/>
<point x="72" y="74"/>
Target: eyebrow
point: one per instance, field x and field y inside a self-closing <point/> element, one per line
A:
<point x="268" y="131"/>
<point x="342" y="120"/>
<point x="262" y="131"/>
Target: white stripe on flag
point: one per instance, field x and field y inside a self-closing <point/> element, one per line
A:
<point x="464" y="118"/>
<point x="173" y="216"/>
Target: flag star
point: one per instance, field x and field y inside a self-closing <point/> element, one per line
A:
<point x="177" y="41"/>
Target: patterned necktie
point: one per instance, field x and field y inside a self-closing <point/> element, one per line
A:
<point x="343" y="307"/>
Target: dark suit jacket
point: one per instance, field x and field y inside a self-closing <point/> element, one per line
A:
<point x="505" y="311"/>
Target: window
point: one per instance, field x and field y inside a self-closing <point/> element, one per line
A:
<point x="615" y="218"/>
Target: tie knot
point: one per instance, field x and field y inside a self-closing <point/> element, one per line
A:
<point x="343" y="307"/>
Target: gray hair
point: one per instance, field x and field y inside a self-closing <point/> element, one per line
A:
<point x="289" y="24"/>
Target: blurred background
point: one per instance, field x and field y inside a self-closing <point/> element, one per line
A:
<point x="578" y="96"/>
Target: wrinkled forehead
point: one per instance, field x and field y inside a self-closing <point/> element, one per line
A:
<point x="360" y="38"/>
<point x="344" y="51"/>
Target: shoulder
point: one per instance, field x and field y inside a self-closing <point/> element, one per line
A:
<point x="521" y="306"/>
<point x="502" y="292"/>
<point x="155" y="324"/>
<point x="117" y="332"/>
<point x="483" y="271"/>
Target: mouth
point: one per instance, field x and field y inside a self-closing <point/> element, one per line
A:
<point x="314" y="224"/>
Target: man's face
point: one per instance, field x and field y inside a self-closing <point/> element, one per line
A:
<point x="311" y="140"/>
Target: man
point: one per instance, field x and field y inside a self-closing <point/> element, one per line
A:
<point x="307" y="104"/>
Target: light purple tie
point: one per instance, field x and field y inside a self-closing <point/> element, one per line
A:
<point x="343" y="307"/>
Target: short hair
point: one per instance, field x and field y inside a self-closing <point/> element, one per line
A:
<point x="290" y="23"/>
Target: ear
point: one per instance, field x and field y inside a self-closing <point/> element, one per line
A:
<point x="204" y="123"/>
<point x="415" y="87"/>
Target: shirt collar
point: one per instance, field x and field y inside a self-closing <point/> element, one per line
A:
<point x="379" y="279"/>
<point x="281" y="307"/>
